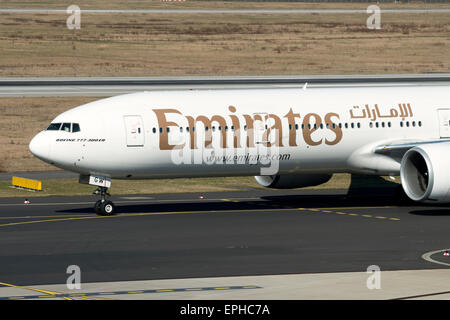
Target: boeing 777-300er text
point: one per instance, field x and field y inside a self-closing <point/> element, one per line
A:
<point x="285" y="137"/>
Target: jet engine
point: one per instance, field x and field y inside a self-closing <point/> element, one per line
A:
<point x="425" y="172"/>
<point x="291" y="181"/>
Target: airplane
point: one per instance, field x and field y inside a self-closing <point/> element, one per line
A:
<point x="285" y="137"/>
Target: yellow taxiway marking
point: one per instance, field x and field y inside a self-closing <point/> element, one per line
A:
<point x="356" y="208"/>
<point x="51" y="293"/>
<point x="345" y="213"/>
<point x="98" y="295"/>
<point x="57" y="218"/>
<point x="43" y="217"/>
<point x="52" y="220"/>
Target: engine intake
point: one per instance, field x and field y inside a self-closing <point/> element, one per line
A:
<point x="425" y="172"/>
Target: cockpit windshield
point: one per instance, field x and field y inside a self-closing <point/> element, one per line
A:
<point x="67" y="127"/>
<point x="75" y="127"/>
<point x="54" y="126"/>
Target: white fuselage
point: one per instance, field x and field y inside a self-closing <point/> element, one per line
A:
<point x="164" y="134"/>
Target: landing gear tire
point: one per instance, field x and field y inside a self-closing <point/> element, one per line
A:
<point x="97" y="207"/>
<point x="104" y="207"/>
<point x="107" y="208"/>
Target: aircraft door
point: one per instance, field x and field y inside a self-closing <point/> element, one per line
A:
<point x="260" y="127"/>
<point x="134" y="127"/>
<point x="444" y="123"/>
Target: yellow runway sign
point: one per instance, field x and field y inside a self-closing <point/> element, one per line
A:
<point x="27" y="183"/>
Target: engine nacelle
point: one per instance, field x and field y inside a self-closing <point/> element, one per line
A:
<point x="291" y="181"/>
<point x="425" y="172"/>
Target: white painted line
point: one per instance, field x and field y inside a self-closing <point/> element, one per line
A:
<point x="427" y="257"/>
<point x="137" y="198"/>
<point x="123" y="202"/>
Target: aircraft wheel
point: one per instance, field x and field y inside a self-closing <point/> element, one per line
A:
<point x="97" y="207"/>
<point x="107" y="208"/>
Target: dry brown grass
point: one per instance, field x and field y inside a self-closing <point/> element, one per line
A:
<point x="59" y="187"/>
<point x="205" y="4"/>
<point x="215" y="44"/>
<point x="194" y="44"/>
<point x="21" y="119"/>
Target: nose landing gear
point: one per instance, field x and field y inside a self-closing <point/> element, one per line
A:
<point x="104" y="207"/>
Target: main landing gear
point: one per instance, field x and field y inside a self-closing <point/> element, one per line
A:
<point x="104" y="207"/>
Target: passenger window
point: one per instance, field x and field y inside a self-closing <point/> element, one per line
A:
<point x="75" y="127"/>
<point x="154" y="130"/>
<point x="66" y="127"/>
<point x="420" y="123"/>
<point x="54" y="126"/>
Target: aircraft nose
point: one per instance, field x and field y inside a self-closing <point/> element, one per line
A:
<point x="40" y="146"/>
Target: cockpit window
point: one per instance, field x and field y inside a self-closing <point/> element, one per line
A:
<point x="66" y="127"/>
<point x="54" y="126"/>
<point x="75" y="127"/>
